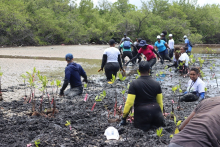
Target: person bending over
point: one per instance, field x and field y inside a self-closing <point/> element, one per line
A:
<point x="201" y="128"/>
<point x="195" y="89"/>
<point x="73" y="73"/>
<point x="135" y="50"/>
<point x="126" y="45"/>
<point x="176" y="59"/>
<point x="184" y="59"/>
<point x="162" y="46"/>
<point x="148" y="51"/>
<point x="146" y="96"/>
<point x="111" y="60"/>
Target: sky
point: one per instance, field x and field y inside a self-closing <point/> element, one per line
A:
<point x="138" y="2"/>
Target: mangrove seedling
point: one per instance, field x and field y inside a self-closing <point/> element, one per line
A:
<point x="68" y="124"/>
<point x="177" y="124"/>
<point x="159" y="132"/>
<point x="37" y="143"/>
<point x="24" y="79"/>
<point x="58" y="84"/>
<point x="121" y="77"/>
<point x="100" y="97"/>
<point x="112" y="80"/>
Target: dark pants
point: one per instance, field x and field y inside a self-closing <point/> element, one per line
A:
<point x="183" y="69"/>
<point x="164" y="55"/>
<point x="152" y="62"/>
<point x="189" y="53"/>
<point x="70" y="93"/>
<point x="171" y="53"/>
<point x="139" y="57"/>
<point x="147" y="116"/>
<point x="126" y="53"/>
<point x="189" y="97"/>
<point x="174" y="145"/>
<point x="111" y="68"/>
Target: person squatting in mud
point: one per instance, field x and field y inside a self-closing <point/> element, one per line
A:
<point x="126" y="50"/>
<point x="111" y="61"/>
<point x="73" y="73"/>
<point x="162" y="47"/>
<point x="195" y="89"/>
<point x="201" y="128"/>
<point x="183" y="61"/>
<point x="175" y="59"/>
<point x="146" y="96"/>
<point x="135" y="50"/>
<point x="148" y="51"/>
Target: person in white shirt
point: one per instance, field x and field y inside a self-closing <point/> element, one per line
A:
<point x="111" y="61"/>
<point x="125" y="37"/>
<point x="195" y="87"/>
<point x="184" y="60"/>
<point x="171" y="45"/>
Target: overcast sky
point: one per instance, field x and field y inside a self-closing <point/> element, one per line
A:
<point x="138" y="2"/>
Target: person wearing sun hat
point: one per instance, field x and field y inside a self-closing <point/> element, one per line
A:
<point x="162" y="46"/>
<point x="148" y="51"/>
<point x="73" y="73"/>
<point x="146" y="95"/>
<point x="171" y="45"/>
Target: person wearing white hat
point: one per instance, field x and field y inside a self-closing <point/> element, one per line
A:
<point x="171" y="45"/>
<point x="111" y="133"/>
<point x="162" y="46"/>
<point x="188" y="45"/>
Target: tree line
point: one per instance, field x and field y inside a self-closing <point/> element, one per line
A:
<point x="47" y="22"/>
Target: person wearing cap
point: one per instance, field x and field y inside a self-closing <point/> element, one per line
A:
<point x="146" y="95"/>
<point x="163" y="34"/>
<point x="135" y="50"/>
<point x="201" y="127"/>
<point x="171" y="45"/>
<point x="162" y="46"/>
<point x="125" y="37"/>
<point x="127" y="51"/>
<point x="188" y="45"/>
<point x="148" y="52"/>
<point x="111" y="61"/>
<point x="73" y="73"/>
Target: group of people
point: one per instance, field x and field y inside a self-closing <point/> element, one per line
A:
<point x="145" y="94"/>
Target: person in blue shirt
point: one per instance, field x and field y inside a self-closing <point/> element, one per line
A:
<point x="188" y="45"/>
<point x="161" y="47"/>
<point x="126" y="46"/>
<point x="73" y="73"/>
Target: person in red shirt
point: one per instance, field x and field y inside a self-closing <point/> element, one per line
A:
<point x="149" y="52"/>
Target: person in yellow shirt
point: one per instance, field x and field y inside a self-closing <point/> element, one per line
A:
<point x="146" y="95"/>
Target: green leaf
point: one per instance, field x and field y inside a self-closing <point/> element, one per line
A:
<point x="123" y="92"/>
<point x="52" y="83"/>
<point x="174" y="119"/>
<point x="138" y="72"/>
<point x="178" y="123"/>
<point x="37" y="142"/>
<point x="85" y="85"/>
<point x="67" y="123"/>
<point x="176" y="131"/>
<point x="104" y="93"/>
<point x="206" y="89"/>
<point x="171" y="136"/>
<point x="128" y="86"/>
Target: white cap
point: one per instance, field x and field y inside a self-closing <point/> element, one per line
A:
<point x="111" y="133"/>
<point x="158" y="37"/>
<point x="184" y="36"/>
<point x="170" y="35"/>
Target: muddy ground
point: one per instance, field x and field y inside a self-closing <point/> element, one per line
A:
<point x="88" y="126"/>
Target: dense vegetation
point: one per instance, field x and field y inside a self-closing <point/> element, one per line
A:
<point x="44" y="22"/>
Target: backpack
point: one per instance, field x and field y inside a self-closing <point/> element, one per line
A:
<point x="127" y="45"/>
<point x="190" y="44"/>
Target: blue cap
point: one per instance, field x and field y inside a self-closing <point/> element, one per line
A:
<point x="142" y="43"/>
<point x="69" y="57"/>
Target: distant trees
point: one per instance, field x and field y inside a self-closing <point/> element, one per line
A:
<point x="45" y="22"/>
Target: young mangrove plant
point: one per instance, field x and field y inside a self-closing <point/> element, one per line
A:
<point x="37" y="143"/>
<point x="58" y="84"/>
<point x="24" y="80"/>
<point x="121" y="77"/>
<point x="68" y="124"/>
<point x="176" y="128"/>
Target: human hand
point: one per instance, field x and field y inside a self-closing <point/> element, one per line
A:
<point x="85" y="80"/>
<point x="101" y="69"/>
<point x="61" y="94"/>
<point x="123" y="122"/>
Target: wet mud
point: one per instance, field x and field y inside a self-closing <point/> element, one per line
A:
<point x="88" y="121"/>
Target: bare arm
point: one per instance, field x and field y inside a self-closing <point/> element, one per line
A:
<point x="167" y="45"/>
<point x="185" y="122"/>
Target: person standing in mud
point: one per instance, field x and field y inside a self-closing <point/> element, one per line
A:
<point x="171" y="45"/>
<point x="135" y="50"/>
<point x="126" y="49"/>
<point x="162" y="46"/>
<point x="125" y="37"/>
<point x="111" y="60"/>
<point x="188" y="45"/>
<point x="149" y="53"/>
<point x="73" y="73"/>
<point x="146" y="95"/>
<point x="195" y="89"/>
<point x="201" y="128"/>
